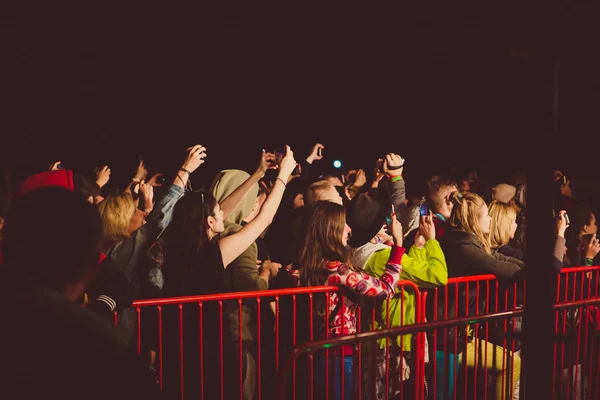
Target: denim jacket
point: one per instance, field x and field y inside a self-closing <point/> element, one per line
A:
<point x="127" y="254"/>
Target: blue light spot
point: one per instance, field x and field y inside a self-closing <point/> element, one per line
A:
<point x="337" y="164"/>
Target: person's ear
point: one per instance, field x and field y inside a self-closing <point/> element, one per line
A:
<point x="211" y="221"/>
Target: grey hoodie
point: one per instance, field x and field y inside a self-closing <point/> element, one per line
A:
<point x="242" y="274"/>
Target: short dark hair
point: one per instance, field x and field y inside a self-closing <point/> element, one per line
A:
<point x="52" y="237"/>
<point x="435" y="185"/>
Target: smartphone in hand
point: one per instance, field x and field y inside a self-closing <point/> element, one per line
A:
<point x="423" y="209"/>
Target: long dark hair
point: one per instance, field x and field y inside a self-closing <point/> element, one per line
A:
<point x="187" y="234"/>
<point x="322" y="241"/>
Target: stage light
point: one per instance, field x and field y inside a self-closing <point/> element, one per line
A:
<point x="337" y="164"/>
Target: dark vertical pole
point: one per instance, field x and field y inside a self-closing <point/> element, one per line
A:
<point x="538" y="319"/>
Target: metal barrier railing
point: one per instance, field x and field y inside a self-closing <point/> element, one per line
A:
<point x="204" y="358"/>
<point x="587" y="387"/>
<point x="280" y="319"/>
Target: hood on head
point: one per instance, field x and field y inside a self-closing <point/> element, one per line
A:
<point x="225" y="183"/>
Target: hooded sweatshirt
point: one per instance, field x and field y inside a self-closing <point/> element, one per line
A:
<point x="242" y="274"/>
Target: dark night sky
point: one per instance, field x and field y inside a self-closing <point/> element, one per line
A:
<point x="99" y="83"/>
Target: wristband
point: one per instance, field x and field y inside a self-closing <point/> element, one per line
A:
<point x="587" y="262"/>
<point x="395" y="167"/>
<point x="282" y="181"/>
<point x="396" y="178"/>
<point x="185" y="170"/>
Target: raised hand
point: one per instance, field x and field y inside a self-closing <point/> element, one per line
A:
<point x="593" y="248"/>
<point x="195" y="158"/>
<point x="393" y="164"/>
<point x="561" y="223"/>
<point x="419" y="240"/>
<point x="147" y="192"/>
<point x="267" y="161"/>
<point x="396" y="229"/>
<point x="316" y="153"/>
<point x="102" y="175"/>
<point x="287" y="164"/>
<point x="156" y="180"/>
<point x="427" y="227"/>
<point x="272" y="267"/>
<point x="141" y="172"/>
<point x="55" y="166"/>
<point x="361" y="178"/>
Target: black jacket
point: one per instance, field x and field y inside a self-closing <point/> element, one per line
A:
<point x="52" y="348"/>
<point x="465" y="256"/>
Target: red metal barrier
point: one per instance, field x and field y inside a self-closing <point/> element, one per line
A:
<point x="587" y="389"/>
<point x="292" y="322"/>
<point x="186" y="344"/>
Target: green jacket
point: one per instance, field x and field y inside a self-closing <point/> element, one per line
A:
<point x="425" y="266"/>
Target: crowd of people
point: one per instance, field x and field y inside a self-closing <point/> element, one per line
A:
<point x="72" y="253"/>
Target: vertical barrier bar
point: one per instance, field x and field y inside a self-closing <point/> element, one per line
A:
<point x="474" y="334"/>
<point x="277" y="333"/>
<point x="240" y="328"/>
<point x="399" y="373"/>
<point x="598" y="376"/>
<point x="181" y="368"/>
<point x="446" y="365"/>
<point x="589" y="374"/>
<point x="116" y="318"/>
<point x="387" y="352"/>
<point x="311" y="363"/>
<point x="562" y="357"/>
<point x="359" y="353"/>
<point x="139" y="330"/>
<point x="258" y="358"/>
<point x="201" y="339"/>
<point x="160" y="348"/>
<point x="504" y="353"/>
<point x="487" y="331"/>
<point x="343" y="311"/>
<point x="477" y="287"/>
<point x="456" y="344"/>
<point x="512" y="363"/>
<point x="434" y="335"/>
<point x="577" y="388"/>
<point x="421" y="317"/>
<point x="221" y="377"/>
<point x="556" y="338"/>
<point x="327" y="301"/>
<point x="374" y="349"/>
<point x="294" y="344"/>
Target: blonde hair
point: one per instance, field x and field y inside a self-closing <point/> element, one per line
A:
<point x="466" y="214"/>
<point x="314" y="191"/>
<point x="115" y="214"/>
<point x="503" y="216"/>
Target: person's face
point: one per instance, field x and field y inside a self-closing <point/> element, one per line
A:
<point x="447" y="191"/>
<point x="345" y="235"/>
<point x="484" y="220"/>
<point x="590" y="228"/>
<point x="217" y="223"/>
<point x="298" y="201"/>
<point x="137" y="220"/>
<point x="513" y="227"/>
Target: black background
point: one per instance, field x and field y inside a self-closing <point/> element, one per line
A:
<point x="466" y="85"/>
